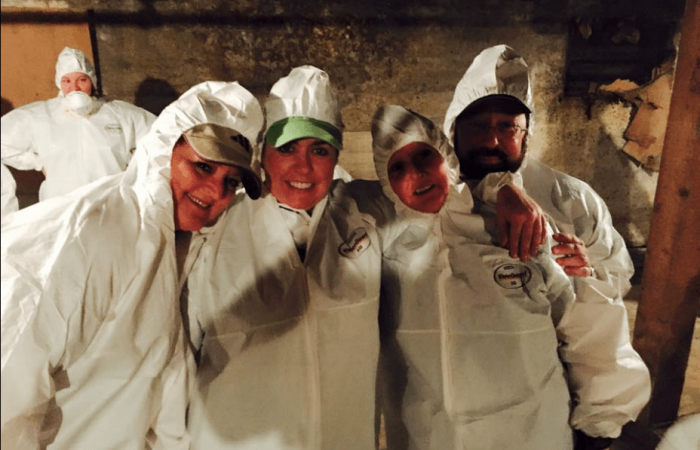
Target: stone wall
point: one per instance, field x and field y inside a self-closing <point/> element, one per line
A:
<point x="407" y="52"/>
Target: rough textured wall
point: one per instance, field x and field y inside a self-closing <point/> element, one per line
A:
<point x="383" y="51"/>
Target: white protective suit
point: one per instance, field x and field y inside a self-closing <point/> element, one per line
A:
<point x="94" y="352"/>
<point x="571" y="205"/>
<point x="683" y="435"/>
<point x="473" y="341"/>
<point x="9" y="202"/>
<point x="288" y="346"/>
<point x="72" y="150"/>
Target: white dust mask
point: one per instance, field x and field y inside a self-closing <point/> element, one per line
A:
<point x="79" y="102"/>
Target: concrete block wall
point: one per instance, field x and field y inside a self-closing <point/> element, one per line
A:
<point x="406" y="52"/>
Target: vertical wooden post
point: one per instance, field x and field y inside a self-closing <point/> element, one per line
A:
<point x="671" y="281"/>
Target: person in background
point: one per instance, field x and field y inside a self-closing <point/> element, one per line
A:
<point x="94" y="354"/>
<point x="477" y="347"/>
<point x="75" y="138"/>
<point x="283" y="303"/>
<point x="489" y="121"/>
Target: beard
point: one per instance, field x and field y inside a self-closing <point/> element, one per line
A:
<point x="473" y="167"/>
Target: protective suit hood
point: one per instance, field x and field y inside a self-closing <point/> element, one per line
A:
<point x="226" y="104"/>
<point x="496" y="71"/>
<point x="72" y="60"/>
<point x="303" y="104"/>
<point x="394" y="127"/>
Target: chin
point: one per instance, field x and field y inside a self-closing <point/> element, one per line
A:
<point x="300" y="202"/>
<point x="190" y="225"/>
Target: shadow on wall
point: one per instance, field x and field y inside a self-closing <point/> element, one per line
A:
<point x="6" y="106"/>
<point x="154" y="95"/>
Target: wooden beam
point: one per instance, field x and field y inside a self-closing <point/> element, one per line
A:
<point x="671" y="281"/>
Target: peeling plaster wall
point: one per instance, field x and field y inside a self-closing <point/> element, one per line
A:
<point x="385" y="51"/>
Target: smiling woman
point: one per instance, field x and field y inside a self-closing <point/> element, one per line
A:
<point x="419" y="176"/>
<point x="300" y="172"/>
<point x="209" y="162"/>
<point x="303" y="138"/>
<point x="94" y="333"/>
<point x="284" y="308"/>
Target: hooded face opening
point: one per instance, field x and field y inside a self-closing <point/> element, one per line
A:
<point x="76" y="82"/>
<point x="418" y="175"/>
<point x="202" y="189"/>
<point x="299" y="173"/>
<point x="490" y="140"/>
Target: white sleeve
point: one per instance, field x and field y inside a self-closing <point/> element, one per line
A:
<point x="608" y="380"/>
<point x="488" y="187"/>
<point x="9" y="202"/>
<point x="16" y="141"/>
<point x="605" y="246"/>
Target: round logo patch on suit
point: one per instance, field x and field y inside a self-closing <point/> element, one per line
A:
<point x="512" y="276"/>
<point x="356" y="244"/>
<point x="113" y="128"/>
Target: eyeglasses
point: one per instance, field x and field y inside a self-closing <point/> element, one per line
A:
<point x="503" y="130"/>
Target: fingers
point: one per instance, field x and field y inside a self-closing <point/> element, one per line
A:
<point x="569" y="260"/>
<point x="570" y="249"/>
<point x="566" y="238"/>
<point x="514" y="240"/>
<point x="537" y="237"/>
<point x="526" y="237"/>
<point x="576" y="265"/>
<point x="543" y="225"/>
<point x="579" y="271"/>
<point x="502" y="231"/>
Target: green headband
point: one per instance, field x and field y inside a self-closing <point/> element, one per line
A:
<point x="292" y="128"/>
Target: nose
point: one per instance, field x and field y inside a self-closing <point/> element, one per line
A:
<point x="489" y="138"/>
<point x="303" y="163"/>
<point x="415" y="171"/>
<point x="217" y="187"/>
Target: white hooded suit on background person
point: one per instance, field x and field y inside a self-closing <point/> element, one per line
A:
<point x="74" y="138"/>
<point x="571" y="205"/>
<point x="288" y="344"/>
<point x="473" y="340"/>
<point x="94" y="353"/>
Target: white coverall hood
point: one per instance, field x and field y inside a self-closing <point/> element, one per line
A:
<point x="227" y="104"/>
<point x="498" y="70"/>
<point x="72" y="60"/>
<point x="303" y="104"/>
<point x="394" y="127"/>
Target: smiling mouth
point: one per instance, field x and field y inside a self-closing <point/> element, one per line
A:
<point x="423" y="190"/>
<point x="198" y="202"/>
<point x="300" y="185"/>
